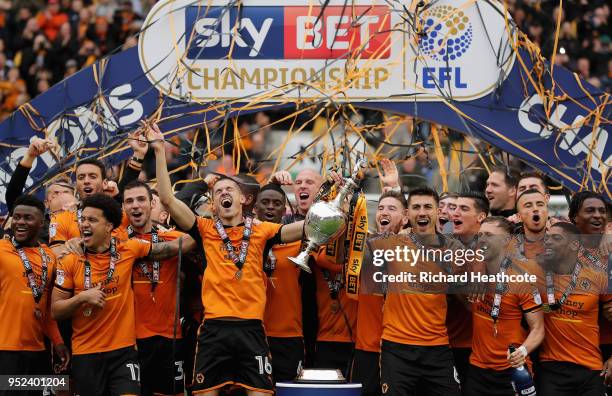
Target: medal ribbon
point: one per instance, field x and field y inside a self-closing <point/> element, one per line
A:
<point x="37" y="291"/>
<point x="550" y="288"/>
<point x="499" y="290"/>
<point x="244" y="245"/>
<point x="357" y="239"/>
<point x="111" y="268"/>
<point x="153" y="277"/>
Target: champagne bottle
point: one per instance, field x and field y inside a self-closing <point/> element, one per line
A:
<point x="522" y="383"/>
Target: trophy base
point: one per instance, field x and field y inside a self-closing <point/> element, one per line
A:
<point x="300" y="263"/>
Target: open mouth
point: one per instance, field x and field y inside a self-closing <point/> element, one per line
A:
<point x="136" y="215"/>
<point x="422" y="222"/>
<point x="226" y="202"/>
<point x="304" y="196"/>
<point x="21" y="231"/>
<point x="269" y="216"/>
<point x="549" y="251"/>
<point x="457" y="222"/>
<point x="87" y="234"/>
<point x="596" y="224"/>
<point x="536" y="218"/>
<point x="385" y="221"/>
<point x="88" y="190"/>
<point x="443" y="220"/>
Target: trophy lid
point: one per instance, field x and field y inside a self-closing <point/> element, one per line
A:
<point x="320" y="376"/>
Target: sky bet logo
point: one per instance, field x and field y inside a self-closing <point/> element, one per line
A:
<point x="287" y="32"/>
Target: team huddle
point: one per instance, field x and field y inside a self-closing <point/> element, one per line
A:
<point x="104" y="284"/>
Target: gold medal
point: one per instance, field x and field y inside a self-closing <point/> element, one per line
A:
<point x="238" y="275"/>
<point x="335" y="306"/>
<point x="38" y="313"/>
<point x="87" y="312"/>
<point x="153" y="297"/>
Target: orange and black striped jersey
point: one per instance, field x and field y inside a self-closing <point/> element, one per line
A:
<point x="572" y="331"/>
<point x="283" y="317"/>
<point x="20" y="328"/>
<point x="223" y="295"/>
<point x="111" y="327"/>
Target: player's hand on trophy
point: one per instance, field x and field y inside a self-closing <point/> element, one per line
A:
<point x="282" y="177"/>
<point x="336" y="178"/>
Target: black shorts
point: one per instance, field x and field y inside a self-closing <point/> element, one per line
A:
<point x="160" y="372"/>
<point x="287" y="357"/>
<point x="232" y="352"/>
<point x="485" y="382"/>
<point x="568" y="379"/>
<point x="335" y="355"/>
<point x="406" y="368"/>
<point x="24" y="363"/>
<point x="115" y="372"/>
<point x="461" y="357"/>
<point x="366" y="371"/>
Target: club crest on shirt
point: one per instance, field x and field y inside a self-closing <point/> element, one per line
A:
<point x="59" y="277"/>
<point x="585" y="284"/>
<point x="200" y="378"/>
<point x="52" y="230"/>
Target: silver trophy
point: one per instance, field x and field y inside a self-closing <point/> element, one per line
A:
<point x="325" y="221"/>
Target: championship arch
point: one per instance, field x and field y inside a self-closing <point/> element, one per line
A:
<point x="462" y="64"/>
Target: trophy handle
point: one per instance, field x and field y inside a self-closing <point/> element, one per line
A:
<point x="302" y="259"/>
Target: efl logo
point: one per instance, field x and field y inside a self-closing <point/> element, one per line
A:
<point x="287" y="32"/>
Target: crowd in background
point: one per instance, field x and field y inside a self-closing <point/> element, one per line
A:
<point x="44" y="41"/>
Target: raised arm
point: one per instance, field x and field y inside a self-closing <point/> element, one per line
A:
<point x="18" y="180"/>
<point x="180" y="213"/>
<point x="292" y="232"/>
<point x="165" y="250"/>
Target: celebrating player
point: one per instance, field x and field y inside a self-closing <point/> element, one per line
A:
<point x="26" y="275"/>
<point x="95" y="289"/>
<point x="232" y="347"/>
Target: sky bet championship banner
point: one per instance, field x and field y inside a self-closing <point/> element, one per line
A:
<point x="462" y="64"/>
